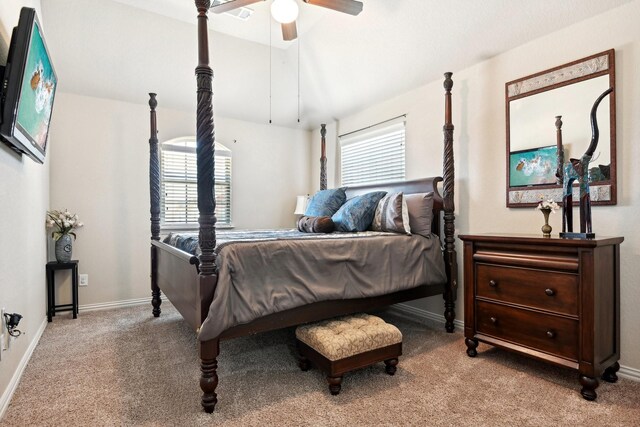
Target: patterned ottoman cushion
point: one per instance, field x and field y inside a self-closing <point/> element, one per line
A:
<point x="339" y="338"/>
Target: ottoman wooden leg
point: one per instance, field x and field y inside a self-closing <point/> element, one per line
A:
<point x="390" y="366"/>
<point x="335" y="384"/>
<point x="304" y="363"/>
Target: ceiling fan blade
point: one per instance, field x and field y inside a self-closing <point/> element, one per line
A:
<point x="352" y="7"/>
<point x="289" y="31"/>
<point x="230" y="5"/>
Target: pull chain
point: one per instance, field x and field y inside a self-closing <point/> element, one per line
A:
<point x="298" y="78"/>
<point x="270" y="67"/>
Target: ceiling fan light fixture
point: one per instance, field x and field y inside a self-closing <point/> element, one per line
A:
<point x="284" y="11"/>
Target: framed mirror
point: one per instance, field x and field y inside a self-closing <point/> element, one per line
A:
<point x="551" y="110"/>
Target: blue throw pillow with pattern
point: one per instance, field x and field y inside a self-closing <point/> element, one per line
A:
<point x="326" y="202"/>
<point x="357" y="213"/>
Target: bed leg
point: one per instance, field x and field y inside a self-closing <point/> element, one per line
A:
<point x="156" y="301"/>
<point x="209" y="351"/>
<point x="155" y="289"/>
<point x="449" y="315"/>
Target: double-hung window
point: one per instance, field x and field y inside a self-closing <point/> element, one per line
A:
<point x="179" y="184"/>
<point x="373" y="155"/>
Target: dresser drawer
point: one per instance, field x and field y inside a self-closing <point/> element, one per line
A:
<point x="545" y="332"/>
<point x="545" y="290"/>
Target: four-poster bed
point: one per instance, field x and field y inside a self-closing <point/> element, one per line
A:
<point x="193" y="283"/>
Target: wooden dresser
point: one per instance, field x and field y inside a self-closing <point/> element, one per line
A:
<point x="553" y="299"/>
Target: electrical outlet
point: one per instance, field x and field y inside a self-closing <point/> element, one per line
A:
<point x="84" y="280"/>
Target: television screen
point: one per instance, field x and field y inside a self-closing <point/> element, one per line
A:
<point x="31" y="84"/>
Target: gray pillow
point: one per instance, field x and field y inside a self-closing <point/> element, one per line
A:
<point x="392" y="215"/>
<point x="420" y="208"/>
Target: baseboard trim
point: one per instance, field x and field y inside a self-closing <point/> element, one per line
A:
<point x="629" y="373"/>
<point x="118" y="304"/>
<point x="15" y="380"/>
<point x="425" y="316"/>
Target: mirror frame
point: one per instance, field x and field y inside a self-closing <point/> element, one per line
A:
<point x="600" y="64"/>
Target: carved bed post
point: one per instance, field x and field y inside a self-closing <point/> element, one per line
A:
<point x="560" y="150"/>
<point x="206" y="202"/>
<point x="323" y="157"/>
<point x="154" y="193"/>
<point x="450" y="293"/>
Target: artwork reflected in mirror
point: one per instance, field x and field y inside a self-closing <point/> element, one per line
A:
<point x="537" y="166"/>
<point x="548" y="122"/>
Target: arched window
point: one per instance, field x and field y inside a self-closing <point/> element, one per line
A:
<point x="179" y="183"/>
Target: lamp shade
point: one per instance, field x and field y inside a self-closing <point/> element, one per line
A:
<point x="284" y="11"/>
<point x="301" y="205"/>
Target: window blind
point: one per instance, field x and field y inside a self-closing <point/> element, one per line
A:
<point x="179" y="184"/>
<point x="374" y="155"/>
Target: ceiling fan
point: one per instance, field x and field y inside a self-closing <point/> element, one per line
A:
<point x="286" y="11"/>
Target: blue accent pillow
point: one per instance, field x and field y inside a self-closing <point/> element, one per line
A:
<point x="326" y="202"/>
<point x="357" y="213"/>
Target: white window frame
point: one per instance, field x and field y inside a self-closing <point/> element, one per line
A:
<point x="365" y="155"/>
<point x="188" y="145"/>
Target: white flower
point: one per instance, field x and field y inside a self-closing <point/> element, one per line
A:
<point x="548" y="204"/>
<point x="62" y="220"/>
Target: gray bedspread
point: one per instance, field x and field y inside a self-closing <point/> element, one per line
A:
<point x="270" y="272"/>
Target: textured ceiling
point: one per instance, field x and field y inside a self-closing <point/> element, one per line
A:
<point x="109" y="49"/>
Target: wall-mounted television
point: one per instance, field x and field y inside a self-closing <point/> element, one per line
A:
<point x="28" y="88"/>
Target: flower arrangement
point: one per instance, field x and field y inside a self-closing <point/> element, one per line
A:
<point x="63" y="223"/>
<point x="549" y="205"/>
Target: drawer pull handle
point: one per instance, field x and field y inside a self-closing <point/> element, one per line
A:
<point x="493" y="283"/>
<point x="551" y="334"/>
<point x="550" y="292"/>
<point x="494" y="320"/>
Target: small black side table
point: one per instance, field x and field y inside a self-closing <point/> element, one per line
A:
<point x="52" y="266"/>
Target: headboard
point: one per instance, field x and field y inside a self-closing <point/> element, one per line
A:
<point x="423" y="185"/>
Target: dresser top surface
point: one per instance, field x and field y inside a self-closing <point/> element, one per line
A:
<point x="538" y="239"/>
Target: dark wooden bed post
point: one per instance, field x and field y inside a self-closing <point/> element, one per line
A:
<point x="323" y="157"/>
<point x="206" y="204"/>
<point x="154" y="190"/>
<point x="448" y="168"/>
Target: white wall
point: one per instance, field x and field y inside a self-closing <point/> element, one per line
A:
<point x="100" y="171"/>
<point x="479" y="118"/>
<point x="130" y="50"/>
<point x="24" y="199"/>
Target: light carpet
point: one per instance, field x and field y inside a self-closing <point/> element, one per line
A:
<point x="124" y="367"/>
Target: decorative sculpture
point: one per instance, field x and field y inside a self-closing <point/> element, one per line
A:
<point x="579" y="169"/>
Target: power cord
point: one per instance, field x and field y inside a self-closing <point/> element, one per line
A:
<point x="12" y="321"/>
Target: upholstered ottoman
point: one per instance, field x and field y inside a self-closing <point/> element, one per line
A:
<point x="341" y="345"/>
